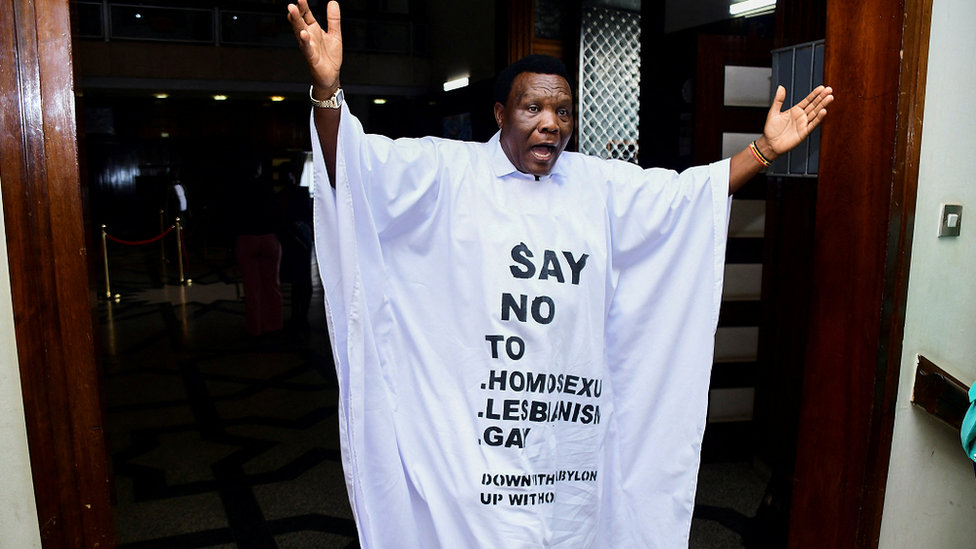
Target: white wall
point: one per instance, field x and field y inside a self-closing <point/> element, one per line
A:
<point x="18" y="515"/>
<point x="931" y="493"/>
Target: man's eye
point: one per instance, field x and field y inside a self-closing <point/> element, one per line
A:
<point x="533" y="108"/>
<point x="563" y="112"/>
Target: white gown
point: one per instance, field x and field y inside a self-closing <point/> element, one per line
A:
<point x="522" y="363"/>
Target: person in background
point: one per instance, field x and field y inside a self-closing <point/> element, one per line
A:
<point x="295" y="234"/>
<point x="258" y="250"/>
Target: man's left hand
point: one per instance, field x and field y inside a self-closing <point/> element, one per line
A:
<point x="785" y="130"/>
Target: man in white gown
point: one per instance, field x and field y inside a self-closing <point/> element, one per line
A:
<point x="522" y="336"/>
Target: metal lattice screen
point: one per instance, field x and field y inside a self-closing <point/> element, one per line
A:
<point x="609" y="91"/>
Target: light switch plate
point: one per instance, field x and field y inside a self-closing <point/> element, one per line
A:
<point x="951" y="220"/>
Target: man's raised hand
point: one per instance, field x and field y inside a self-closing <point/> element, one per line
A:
<point x="785" y="130"/>
<point x="322" y="48"/>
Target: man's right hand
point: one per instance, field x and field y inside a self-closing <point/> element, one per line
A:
<point x="323" y="53"/>
<point x="322" y="48"/>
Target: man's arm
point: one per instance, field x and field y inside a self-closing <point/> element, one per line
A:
<point x="782" y="133"/>
<point x="322" y="49"/>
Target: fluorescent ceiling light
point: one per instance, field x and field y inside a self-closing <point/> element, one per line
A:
<point x="751" y="6"/>
<point x="455" y="84"/>
<point x="161" y="95"/>
<point x="379" y="101"/>
<point x="220" y="97"/>
<point x="277" y="98"/>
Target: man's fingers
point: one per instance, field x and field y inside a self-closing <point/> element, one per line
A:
<point x="332" y="15"/>
<point x="812" y="107"/>
<point x="300" y="17"/>
<point x="306" y="12"/>
<point x="298" y="24"/>
<point x="779" y="98"/>
<point x="817" y="120"/>
<point x="812" y="99"/>
<point x="295" y="18"/>
<point x="819" y="102"/>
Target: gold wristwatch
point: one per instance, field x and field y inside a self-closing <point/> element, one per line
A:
<point x="333" y="102"/>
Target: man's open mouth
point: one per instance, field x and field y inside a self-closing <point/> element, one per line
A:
<point x="543" y="152"/>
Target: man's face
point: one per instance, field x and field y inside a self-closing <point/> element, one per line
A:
<point x="536" y="121"/>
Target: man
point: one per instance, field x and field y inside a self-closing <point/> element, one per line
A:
<point x="522" y="336"/>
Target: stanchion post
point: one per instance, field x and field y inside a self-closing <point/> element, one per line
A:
<point x="162" y="241"/>
<point x="179" y="249"/>
<point x="108" y="283"/>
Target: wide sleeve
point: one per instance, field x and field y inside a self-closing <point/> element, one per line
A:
<point x="668" y="244"/>
<point x="399" y="178"/>
<point x="671" y="221"/>
<point x="378" y="185"/>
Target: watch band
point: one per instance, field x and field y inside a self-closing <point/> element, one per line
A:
<point x="333" y="102"/>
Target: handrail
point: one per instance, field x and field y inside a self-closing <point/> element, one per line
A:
<point x="939" y="393"/>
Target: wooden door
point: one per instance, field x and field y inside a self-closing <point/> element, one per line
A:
<point x="47" y="252"/>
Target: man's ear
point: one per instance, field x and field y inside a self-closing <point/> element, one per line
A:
<point x="499" y="113"/>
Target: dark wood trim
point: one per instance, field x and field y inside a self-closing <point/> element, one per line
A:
<point x="939" y="393"/>
<point x="799" y="21"/>
<point x="548" y="47"/>
<point x="901" y="224"/>
<point x="875" y="60"/>
<point x="521" y="28"/>
<point x="46" y="250"/>
<point x="522" y="41"/>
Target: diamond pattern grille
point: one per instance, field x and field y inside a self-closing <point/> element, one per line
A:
<point x="609" y="83"/>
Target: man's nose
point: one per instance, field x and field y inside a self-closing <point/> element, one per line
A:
<point x="548" y="122"/>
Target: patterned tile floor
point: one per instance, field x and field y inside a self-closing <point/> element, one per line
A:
<point x="219" y="441"/>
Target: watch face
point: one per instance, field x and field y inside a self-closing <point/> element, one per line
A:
<point x="340" y="97"/>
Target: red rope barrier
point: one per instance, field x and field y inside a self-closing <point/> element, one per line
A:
<point x="137" y="243"/>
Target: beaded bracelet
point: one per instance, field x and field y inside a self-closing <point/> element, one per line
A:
<point x="759" y="156"/>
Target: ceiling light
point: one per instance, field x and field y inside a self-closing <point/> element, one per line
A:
<point x="277" y="98"/>
<point x="752" y="7"/>
<point x="138" y="16"/>
<point x="219" y="97"/>
<point x="379" y="101"/>
<point x="164" y="134"/>
<point x="455" y="84"/>
<point x="160" y="95"/>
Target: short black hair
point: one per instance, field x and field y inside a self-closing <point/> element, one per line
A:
<point x="536" y="63"/>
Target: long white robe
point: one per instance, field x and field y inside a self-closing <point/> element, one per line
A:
<point x="522" y="363"/>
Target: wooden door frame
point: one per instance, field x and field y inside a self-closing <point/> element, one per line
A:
<point x="876" y="60"/>
<point x="47" y="253"/>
